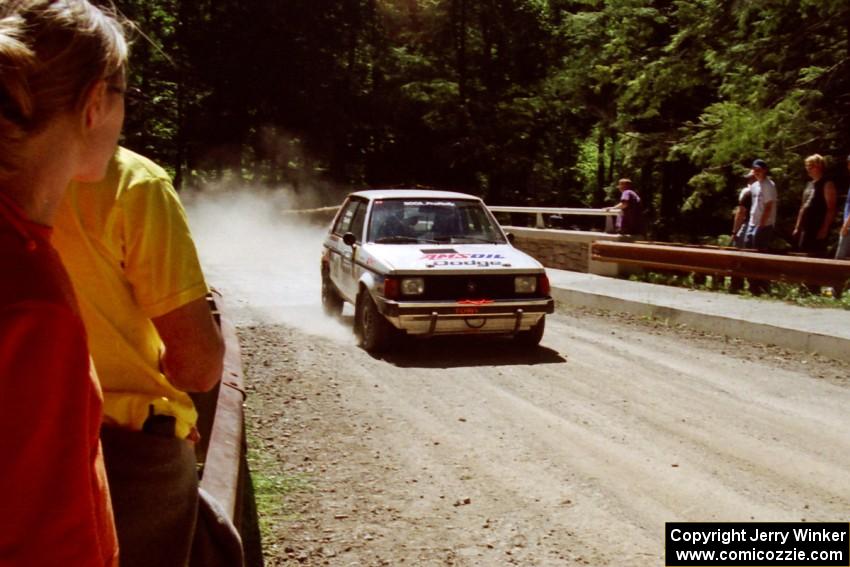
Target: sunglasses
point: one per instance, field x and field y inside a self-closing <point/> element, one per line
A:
<point x="131" y="95"/>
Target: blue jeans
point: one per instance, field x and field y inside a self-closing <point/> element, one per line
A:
<point x="758" y="237"/>
<point x="154" y="486"/>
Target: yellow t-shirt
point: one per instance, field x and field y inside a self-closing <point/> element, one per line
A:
<point x="126" y="244"/>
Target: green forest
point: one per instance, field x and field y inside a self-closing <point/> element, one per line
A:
<point x="523" y="102"/>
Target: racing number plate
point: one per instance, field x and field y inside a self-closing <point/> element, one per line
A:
<point x="471" y="306"/>
<point x="466" y="310"/>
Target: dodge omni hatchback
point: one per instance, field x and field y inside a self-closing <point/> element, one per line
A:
<point x="426" y="263"/>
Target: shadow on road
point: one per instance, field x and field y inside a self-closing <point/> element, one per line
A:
<point x="453" y="352"/>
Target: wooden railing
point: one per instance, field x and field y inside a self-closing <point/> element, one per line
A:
<point x="224" y="447"/>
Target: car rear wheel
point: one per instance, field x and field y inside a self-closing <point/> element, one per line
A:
<point x="376" y="333"/>
<point x="533" y="336"/>
<point x="331" y="301"/>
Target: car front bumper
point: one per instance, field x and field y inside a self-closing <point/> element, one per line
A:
<point x="465" y="317"/>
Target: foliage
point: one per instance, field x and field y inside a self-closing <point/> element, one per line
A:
<point x="521" y="101"/>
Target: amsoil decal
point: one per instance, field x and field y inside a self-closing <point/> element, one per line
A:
<point x="479" y="260"/>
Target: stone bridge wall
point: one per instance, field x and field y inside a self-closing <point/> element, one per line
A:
<point x="564" y="249"/>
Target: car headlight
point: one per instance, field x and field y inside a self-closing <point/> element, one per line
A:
<point x="412" y="286"/>
<point x="525" y="284"/>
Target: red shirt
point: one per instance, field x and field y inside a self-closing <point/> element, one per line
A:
<point x="55" y="508"/>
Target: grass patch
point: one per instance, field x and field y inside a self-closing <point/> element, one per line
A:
<point x="801" y="295"/>
<point x="797" y="294"/>
<point x="272" y="489"/>
<point x="270" y="494"/>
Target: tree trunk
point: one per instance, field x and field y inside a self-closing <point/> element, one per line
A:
<point x="612" y="162"/>
<point x="180" y="139"/>
<point x="599" y="194"/>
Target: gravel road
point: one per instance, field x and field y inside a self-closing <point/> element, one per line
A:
<point x="479" y="453"/>
<point x="456" y="452"/>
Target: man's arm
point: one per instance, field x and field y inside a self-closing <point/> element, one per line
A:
<point x="799" y="223"/>
<point x="194" y="348"/>
<point x="162" y="265"/>
<point x="621" y="206"/>
<point x="740" y="215"/>
<point x="829" y="195"/>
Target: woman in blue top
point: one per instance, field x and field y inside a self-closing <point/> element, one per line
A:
<point x="844" y="234"/>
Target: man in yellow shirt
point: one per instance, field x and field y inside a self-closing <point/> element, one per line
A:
<point x="127" y="247"/>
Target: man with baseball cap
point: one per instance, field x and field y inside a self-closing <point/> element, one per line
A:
<point x="763" y="209"/>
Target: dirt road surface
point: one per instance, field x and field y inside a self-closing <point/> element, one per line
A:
<point x="458" y="452"/>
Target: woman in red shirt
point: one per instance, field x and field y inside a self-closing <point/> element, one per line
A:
<point x="61" y="110"/>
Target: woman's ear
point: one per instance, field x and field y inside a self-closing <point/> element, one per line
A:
<point x="95" y="105"/>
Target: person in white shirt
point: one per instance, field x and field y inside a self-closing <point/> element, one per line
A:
<point x="763" y="209"/>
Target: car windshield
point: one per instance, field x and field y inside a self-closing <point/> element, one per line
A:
<point x="402" y="221"/>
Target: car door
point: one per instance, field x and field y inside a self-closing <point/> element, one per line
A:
<point x="350" y="266"/>
<point x="342" y="261"/>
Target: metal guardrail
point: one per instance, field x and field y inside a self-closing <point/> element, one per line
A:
<point x="726" y="262"/>
<point x="538" y="212"/>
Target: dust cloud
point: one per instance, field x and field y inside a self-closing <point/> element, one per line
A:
<point x="264" y="261"/>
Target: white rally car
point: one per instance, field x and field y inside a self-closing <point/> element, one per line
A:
<point x="427" y="263"/>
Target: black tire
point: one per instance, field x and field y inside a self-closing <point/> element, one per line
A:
<point x="533" y="336"/>
<point x="331" y="301"/>
<point x="376" y="333"/>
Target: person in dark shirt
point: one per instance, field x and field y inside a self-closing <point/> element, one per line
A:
<point x="630" y="220"/>
<point x="817" y="210"/>
<point x="742" y="212"/>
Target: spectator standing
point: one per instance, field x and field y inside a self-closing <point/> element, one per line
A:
<point x="61" y="111"/>
<point x="817" y="210"/>
<point x="132" y="260"/>
<point x="843" y="251"/>
<point x="630" y="220"/>
<point x="740" y="224"/>
<point x="763" y="209"/>
<point x="742" y="212"/>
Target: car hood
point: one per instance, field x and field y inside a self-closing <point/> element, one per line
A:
<point x="454" y="257"/>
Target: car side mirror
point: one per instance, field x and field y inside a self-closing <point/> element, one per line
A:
<point x="511" y="237"/>
<point x="349" y="238"/>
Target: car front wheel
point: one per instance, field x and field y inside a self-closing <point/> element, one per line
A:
<point x="376" y="333"/>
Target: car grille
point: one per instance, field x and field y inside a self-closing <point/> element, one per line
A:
<point x="471" y="287"/>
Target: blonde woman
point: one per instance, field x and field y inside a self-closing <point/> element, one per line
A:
<point x="817" y="210"/>
<point x="61" y="110"/>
